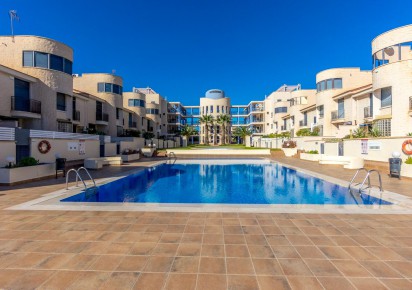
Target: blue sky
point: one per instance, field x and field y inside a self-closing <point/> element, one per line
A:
<point x="182" y="48"/>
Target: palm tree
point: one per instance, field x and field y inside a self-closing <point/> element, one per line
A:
<point x="188" y="131"/>
<point x="206" y="119"/>
<point x="242" y="132"/>
<point x="223" y="120"/>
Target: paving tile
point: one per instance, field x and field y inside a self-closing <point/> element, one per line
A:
<point x="257" y="251"/>
<point x="106" y="263"/>
<point x="397" y="283"/>
<point x="380" y="269"/>
<point x="30" y="279"/>
<point x="189" y="249"/>
<point x="237" y="251"/>
<point x="351" y="268"/>
<point x="322" y="267"/>
<point x="211" y="281"/>
<point x="234" y="239"/>
<point x="283" y="252"/>
<point x="168" y="250"/>
<point x="269" y="283"/>
<point x="181" y="282"/>
<point x="150" y="281"/>
<point x="242" y="282"/>
<point x="131" y="263"/>
<point x="294" y="267"/>
<point x="335" y="283"/>
<point x="367" y="284"/>
<point x="158" y="264"/>
<point x="61" y="280"/>
<point x="304" y="283"/>
<point x="90" y="280"/>
<point x="212" y="265"/>
<point x="239" y="266"/>
<point x="185" y="265"/>
<point x="403" y="267"/>
<point x="213" y="251"/>
<point x="267" y="267"/>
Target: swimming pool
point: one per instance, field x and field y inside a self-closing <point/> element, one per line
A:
<point x="220" y="183"/>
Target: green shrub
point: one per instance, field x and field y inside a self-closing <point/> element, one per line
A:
<point x="409" y="134"/>
<point x="148" y="135"/>
<point x="408" y="160"/>
<point x="28" y="161"/>
<point x="312" y="152"/>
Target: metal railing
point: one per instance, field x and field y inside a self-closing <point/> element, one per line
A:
<point x="367" y="178"/>
<point x="76" y="116"/>
<point x="31" y="106"/>
<point x="303" y="123"/>
<point x="336" y="115"/>
<point x="367" y="112"/>
<point x="102" y="117"/>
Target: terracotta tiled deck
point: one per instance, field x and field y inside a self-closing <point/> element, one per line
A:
<point x="147" y="250"/>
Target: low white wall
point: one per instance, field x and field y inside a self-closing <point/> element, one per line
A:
<point x="226" y="152"/>
<point x="137" y="143"/>
<point x="331" y="148"/>
<point x="61" y="147"/>
<point x="353" y="147"/>
<point x="19" y="174"/>
<point x="110" y="149"/>
<point x="310" y="157"/>
<point x="7" y="149"/>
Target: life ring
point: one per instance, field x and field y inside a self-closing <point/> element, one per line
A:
<point x="407" y="144"/>
<point x="44" y="146"/>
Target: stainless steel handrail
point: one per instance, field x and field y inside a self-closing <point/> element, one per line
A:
<point x="77" y="176"/>
<point x="369" y="184"/>
<point x="172" y="154"/>
<point x="356" y="174"/>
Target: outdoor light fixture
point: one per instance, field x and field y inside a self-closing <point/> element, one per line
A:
<point x="10" y="160"/>
<point x="396" y="154"/>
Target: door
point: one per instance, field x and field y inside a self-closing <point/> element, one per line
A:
<point x="340" y="148"/>
<point x="21" y="95"/>
<point x="322" y="148"/>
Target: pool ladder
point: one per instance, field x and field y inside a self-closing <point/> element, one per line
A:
<point x="367" y="177"/>
<point x="79" y="177"/>
<point x="172" y="155"/>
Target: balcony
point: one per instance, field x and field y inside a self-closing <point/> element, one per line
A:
<point x="367" y="112"/>
<point x="337" y="115"/>
<point x="303" y="123"/>
<point x="102" y="118"/>
<point x="29" y="106"/>
<point x="76" y="116"/>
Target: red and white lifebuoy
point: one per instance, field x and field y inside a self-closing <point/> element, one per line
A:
<point x="44" y="146"/>
<point x="407" y="147"/>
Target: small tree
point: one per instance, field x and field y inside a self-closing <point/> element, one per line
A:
<point x="242" y="132"/>
<point x="223" y="120"/>
<point x="206" y="120"/>
<point x="188" y="131"/>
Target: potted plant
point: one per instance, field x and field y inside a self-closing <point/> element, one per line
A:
<point x="312" y="155"/>
<point x="130" y="155"/>
<point x="406" y="169"/>
<point x="290" y="148"/>
<point x="26" y="169"/>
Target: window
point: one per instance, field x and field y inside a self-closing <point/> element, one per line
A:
<point x="41" y="59"/>
<point x="217" y="109"/>
<point x="152" y="111"/>
<point x="137" y="103"/>
<point x="56" y="62"/>
<point x="281" y="110"/>
<point x="211" y="109"/>
<point x="61" y="102"/>
<point x="337" y="83"/>
<point x="47" y="60"/>
<point x="383" y="126"/>
<point x="64" y="127"/>
<point x="28" y="58"/>
<point x="329" y="84"/>
<point x="386" y="97"/>
<point x="109" y="88"/>
<point x="321" y="111"/>
<point x="100" y="87"/>
<point x="118" y="113"/>
<point x="21" y="95"/>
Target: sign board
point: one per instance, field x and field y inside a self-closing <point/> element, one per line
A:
<point x="72" y="146"/>
<point x="364" y="146"/>
<point x="82" y="147"/>
<point x="374" y="145"/>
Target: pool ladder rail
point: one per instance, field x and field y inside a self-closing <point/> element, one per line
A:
<point x="172" y="155"/>
<point x="78" y="177"/>
<point x="367" y="177"/>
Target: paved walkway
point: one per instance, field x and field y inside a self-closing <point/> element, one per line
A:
<point x="146" y="250"/>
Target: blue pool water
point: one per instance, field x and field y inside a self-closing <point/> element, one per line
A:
<point x="225" y="184"/>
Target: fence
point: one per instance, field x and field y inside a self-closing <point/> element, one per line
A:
<point x="7" y="134"/>
<point x="62" y="135"/>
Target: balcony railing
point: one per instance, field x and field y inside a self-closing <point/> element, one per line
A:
<point x="367" y="112"/>
<point x="31" y="106"/>
<point x="102" y="117"/>
<point x="303" y="123"/>
<point x="336" y="115"/>
<point x="76" y="116"/>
